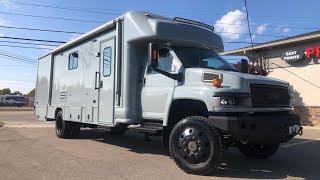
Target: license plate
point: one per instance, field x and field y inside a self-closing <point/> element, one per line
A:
<point x="294" y="129"/>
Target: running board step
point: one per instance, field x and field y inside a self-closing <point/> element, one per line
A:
<point x="150" y="128"/>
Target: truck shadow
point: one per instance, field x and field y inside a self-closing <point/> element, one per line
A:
<point x="299" y="160"/>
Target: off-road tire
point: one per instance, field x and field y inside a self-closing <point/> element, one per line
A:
<point x="214" y="145"/>
<point x="257" y="151"/>
<point x="65" y="129"/>
<point x="61" y="126"/>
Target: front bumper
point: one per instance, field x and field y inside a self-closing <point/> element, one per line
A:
<point x="259" y="128"/>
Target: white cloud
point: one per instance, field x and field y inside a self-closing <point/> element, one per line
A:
<point x="261" y="28"/>
<point x="4" y="22"/>
<point x="286" y="30"/>
<point x="1" y="35"/>
<point x="232" y="25"/>
<point x="8" y="4"/>
<point x="21" y="86"/>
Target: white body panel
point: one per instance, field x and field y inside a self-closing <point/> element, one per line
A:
<point x="129" y="94"/>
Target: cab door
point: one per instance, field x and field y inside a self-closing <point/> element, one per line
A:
<point x="157" y="87"/>
<point x="106" y="82"/>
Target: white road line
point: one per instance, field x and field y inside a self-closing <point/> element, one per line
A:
<point x="298" y="143"/>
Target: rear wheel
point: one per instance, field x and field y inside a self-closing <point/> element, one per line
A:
<point x="195" y="145"/>
<point x="258" y="151"/>
<point x="65" y="129"/>
<point x="61" y="127"/>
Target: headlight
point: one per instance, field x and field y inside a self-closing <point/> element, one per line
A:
<point x="229" y="101"/>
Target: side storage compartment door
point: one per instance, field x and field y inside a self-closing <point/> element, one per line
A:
<point x="106" y="83"/>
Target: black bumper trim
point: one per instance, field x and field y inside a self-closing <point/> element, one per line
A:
<point x="266" y="128"/>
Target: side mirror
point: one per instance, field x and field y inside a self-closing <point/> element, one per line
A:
<point x="153" y="55"/>
<point x="244" y="66"/>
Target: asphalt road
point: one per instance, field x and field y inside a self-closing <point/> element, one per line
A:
<point x="30" y="150"/>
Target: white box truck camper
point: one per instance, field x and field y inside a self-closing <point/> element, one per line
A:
<point x="166" y="76"/>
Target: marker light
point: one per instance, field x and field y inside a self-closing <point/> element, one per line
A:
<point x="216" y="82"/>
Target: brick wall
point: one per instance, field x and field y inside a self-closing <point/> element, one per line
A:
<point x="309" y="115"/>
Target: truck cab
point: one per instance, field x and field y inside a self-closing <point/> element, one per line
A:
<point x="166" y="76"/>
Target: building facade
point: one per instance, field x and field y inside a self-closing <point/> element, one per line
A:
<point x="297" y="61"/>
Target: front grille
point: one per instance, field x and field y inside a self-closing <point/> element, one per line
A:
<point x="269" y="96"/>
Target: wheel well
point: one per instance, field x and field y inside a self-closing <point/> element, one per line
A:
<point x="180" y="109"/>
<point x="56" y="112"/>
<point x="186" y="107"/>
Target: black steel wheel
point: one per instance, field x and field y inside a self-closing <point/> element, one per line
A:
<point x="258" y="151"/>
<point x="61" y="127"/>
<point x="195" y="145"/>
<point x="65" y="129"/>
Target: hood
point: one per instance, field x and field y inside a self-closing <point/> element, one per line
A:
<point x="231" y="81"/>
<point x="256" y="79"/>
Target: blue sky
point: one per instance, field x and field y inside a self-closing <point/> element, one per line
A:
<point x="224" y="14"/>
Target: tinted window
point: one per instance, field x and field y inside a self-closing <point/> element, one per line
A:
<point x="107" y="61"/>
<point x="73" y="60"/>
<point x="192" y="57"/>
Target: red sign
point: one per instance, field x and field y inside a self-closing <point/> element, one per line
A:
<point x="315" y="51"/>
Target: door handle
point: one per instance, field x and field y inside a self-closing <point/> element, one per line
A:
<point x="97" y="81"/>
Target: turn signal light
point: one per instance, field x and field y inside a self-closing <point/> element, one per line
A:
<point x="216" y="83"/>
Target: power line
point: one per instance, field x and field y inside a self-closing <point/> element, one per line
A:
<point x="14" y="55"/>
<point x="102" y="11"/>
<point x="26" y="47"/>
<point x="50" y="17"/>
<point x="268" y="35"/>
<point x="17" y="55"/>
<point x="64" y="8"/>
<point x="37" y="29"/>
<point x="40" y="44"/>
<point x="16" y="59"/>
<point x="17" y="65"/>
<point x="271" y="26"/>
<point x="74" y="32"/>
<point x="300" y="77"/>
<point x="240" y="42"/>
<point x="92" y="21"/>
<point x="30" y="39"/>
<point x="248" y="22"/>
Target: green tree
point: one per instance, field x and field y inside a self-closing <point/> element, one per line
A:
<point x="16" y="93"/>
<point x="5" y="91"/>
<point x="32" y="93"/>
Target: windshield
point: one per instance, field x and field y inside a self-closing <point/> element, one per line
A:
<point x="192" y="57"/>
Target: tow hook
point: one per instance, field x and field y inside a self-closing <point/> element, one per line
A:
<point x="300" y="132"/>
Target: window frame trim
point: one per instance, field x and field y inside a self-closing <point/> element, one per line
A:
<point x="174" y="59"/>
<point x="71" y="54"/>
<point x="108" y="47"/>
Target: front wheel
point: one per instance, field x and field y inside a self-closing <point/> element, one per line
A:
<point x="258" y="151"/>
<point x="195" y="145"/>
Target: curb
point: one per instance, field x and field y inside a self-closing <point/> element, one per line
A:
<point x="1" y="124"/>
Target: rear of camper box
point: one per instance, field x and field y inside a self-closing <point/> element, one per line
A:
<point x="72" y="77"/>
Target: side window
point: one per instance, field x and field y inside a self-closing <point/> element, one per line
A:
<point x="165" y="60"/>
<point x="73" y="60"/>
<point x="107" y="61"/>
